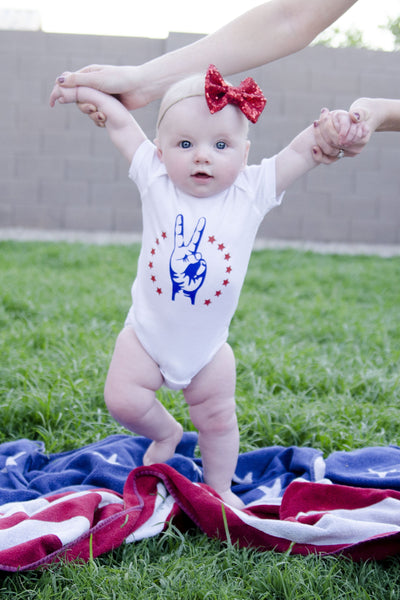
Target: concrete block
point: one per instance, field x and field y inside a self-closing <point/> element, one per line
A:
<point x="31" y="168"/>
<point x="65" y="193"/>
<point x="76" y="45"/>
<point x="275" y="226"/>
<point x="116" y="194"/>
<point x="297" y="203"/>
<point x="379" y="83"/>
<point x="354" y="207"/>
<point x="15" y="140"/>
<point x="372" y="231"/>
<point x="389" y="208"/>
<point x="330" y="178"/>
<point x="7" y="214"/>
<point x="128" y="220"/>
<point x="100" y="143"/>
<point x="70" y="143"/>
<point x="86" y="169"/>
<point x="8" y="114"/>
<point x="371" y="183"/>
<point x="40" y="114"/>
<point x="35" y="216"/>
<point x="325" y="229"/>
<point x="87" y="219"/>
<point x="389" y="163"/>
<point x="306" y="105"/>
<point x="347" y="80"/>
<point x="14" y="191"/>
<point x="7" y="166"/>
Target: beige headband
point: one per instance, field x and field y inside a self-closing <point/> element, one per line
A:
<point x="162" y="115"/>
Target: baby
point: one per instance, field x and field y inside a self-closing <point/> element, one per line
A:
<point x="202" y="206"/>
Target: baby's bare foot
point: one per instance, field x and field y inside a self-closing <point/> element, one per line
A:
<point x="230" y="498"/>
<point x="162" y="450"/>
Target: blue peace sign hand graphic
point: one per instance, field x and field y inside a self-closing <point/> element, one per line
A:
<point x="187" y="266"/>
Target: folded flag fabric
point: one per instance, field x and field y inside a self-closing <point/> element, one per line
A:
<point x="88" y="501"/>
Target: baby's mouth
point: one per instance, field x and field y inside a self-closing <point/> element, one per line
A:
<point x="201" y="175"/>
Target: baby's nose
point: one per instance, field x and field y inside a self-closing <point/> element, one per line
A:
<point x="202" y="155"/>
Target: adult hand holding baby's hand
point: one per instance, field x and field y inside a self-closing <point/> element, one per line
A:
<point x="65" y="95"/>
<point x="340" y="133"/>
<point x="123" y="82"/>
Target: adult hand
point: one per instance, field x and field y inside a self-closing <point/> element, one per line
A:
<point x="340" y="133"/>
<point x="123" y="82"/>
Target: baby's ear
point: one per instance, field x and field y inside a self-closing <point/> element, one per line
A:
<point x="157" y="145"/>
<point x="246" y="153"/>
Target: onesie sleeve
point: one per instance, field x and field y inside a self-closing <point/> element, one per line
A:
<point x="145" y="166"/>
<point x="261" y="182"/>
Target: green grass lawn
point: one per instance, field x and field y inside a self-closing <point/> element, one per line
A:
<point x="317" y="342"/>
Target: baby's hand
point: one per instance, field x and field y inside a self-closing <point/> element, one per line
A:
<point x="65" y="95"/>
<point x="337" y="135"/>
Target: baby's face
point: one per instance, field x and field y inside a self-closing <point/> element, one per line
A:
<point x="202" y="152"/>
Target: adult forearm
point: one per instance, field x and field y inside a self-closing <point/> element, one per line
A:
<point x="390" y="120"/>
<point x="268" y="32"/>
<point x="382" y="114"/>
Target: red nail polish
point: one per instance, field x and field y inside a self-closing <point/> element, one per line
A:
<point x="316" y="123"/>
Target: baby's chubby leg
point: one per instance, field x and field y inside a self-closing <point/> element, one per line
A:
<point x="211" y="400"/>
<point x="129" y="393"/>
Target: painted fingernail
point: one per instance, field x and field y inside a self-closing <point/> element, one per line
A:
<point x="357" y="116"/>
<point x="61" y="79"/>
<point x="315" y="151"/>
<point x="316" y="123"/>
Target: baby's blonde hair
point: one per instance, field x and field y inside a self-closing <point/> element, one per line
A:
<point x="185" y="88"/>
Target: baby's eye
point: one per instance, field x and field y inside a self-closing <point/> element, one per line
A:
<point x="185" y="144"/>
<point x="220" y="145"/>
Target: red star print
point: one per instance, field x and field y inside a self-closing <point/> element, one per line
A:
<point x="159" y="291"/>
<point x="151" y="265"/>
<point x="218" y="293"/>
<point x="211" y="239"/>
<point x="225" y="282"/>
<point x="153" y="279"/>
<point x="153" y="251"/>
<point x="227" y="256"/>
<point x="157" y="241"/>
<point x="207" y="302"/>
<point x="228" y="269"/>
<point x="221" y="247"/>
<point x="163" y="235"/>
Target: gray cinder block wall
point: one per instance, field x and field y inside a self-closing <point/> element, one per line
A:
<point x="59" y="172"/>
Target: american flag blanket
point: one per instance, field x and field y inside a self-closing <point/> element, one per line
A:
<point x="85" y="502"/>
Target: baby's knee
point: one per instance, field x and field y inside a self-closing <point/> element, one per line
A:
<point x="218" y="419"/>
<point x="123" y="406"/>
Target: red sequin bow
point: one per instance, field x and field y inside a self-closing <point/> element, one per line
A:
<point x="247" y="96"/>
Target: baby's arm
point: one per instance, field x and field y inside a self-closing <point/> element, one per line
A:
<point x="305" y="152"/>
<point x="295" y="160"/>
<point x="123" y="130"/>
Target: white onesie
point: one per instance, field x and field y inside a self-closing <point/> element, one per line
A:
<point x="193" y="260"/>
